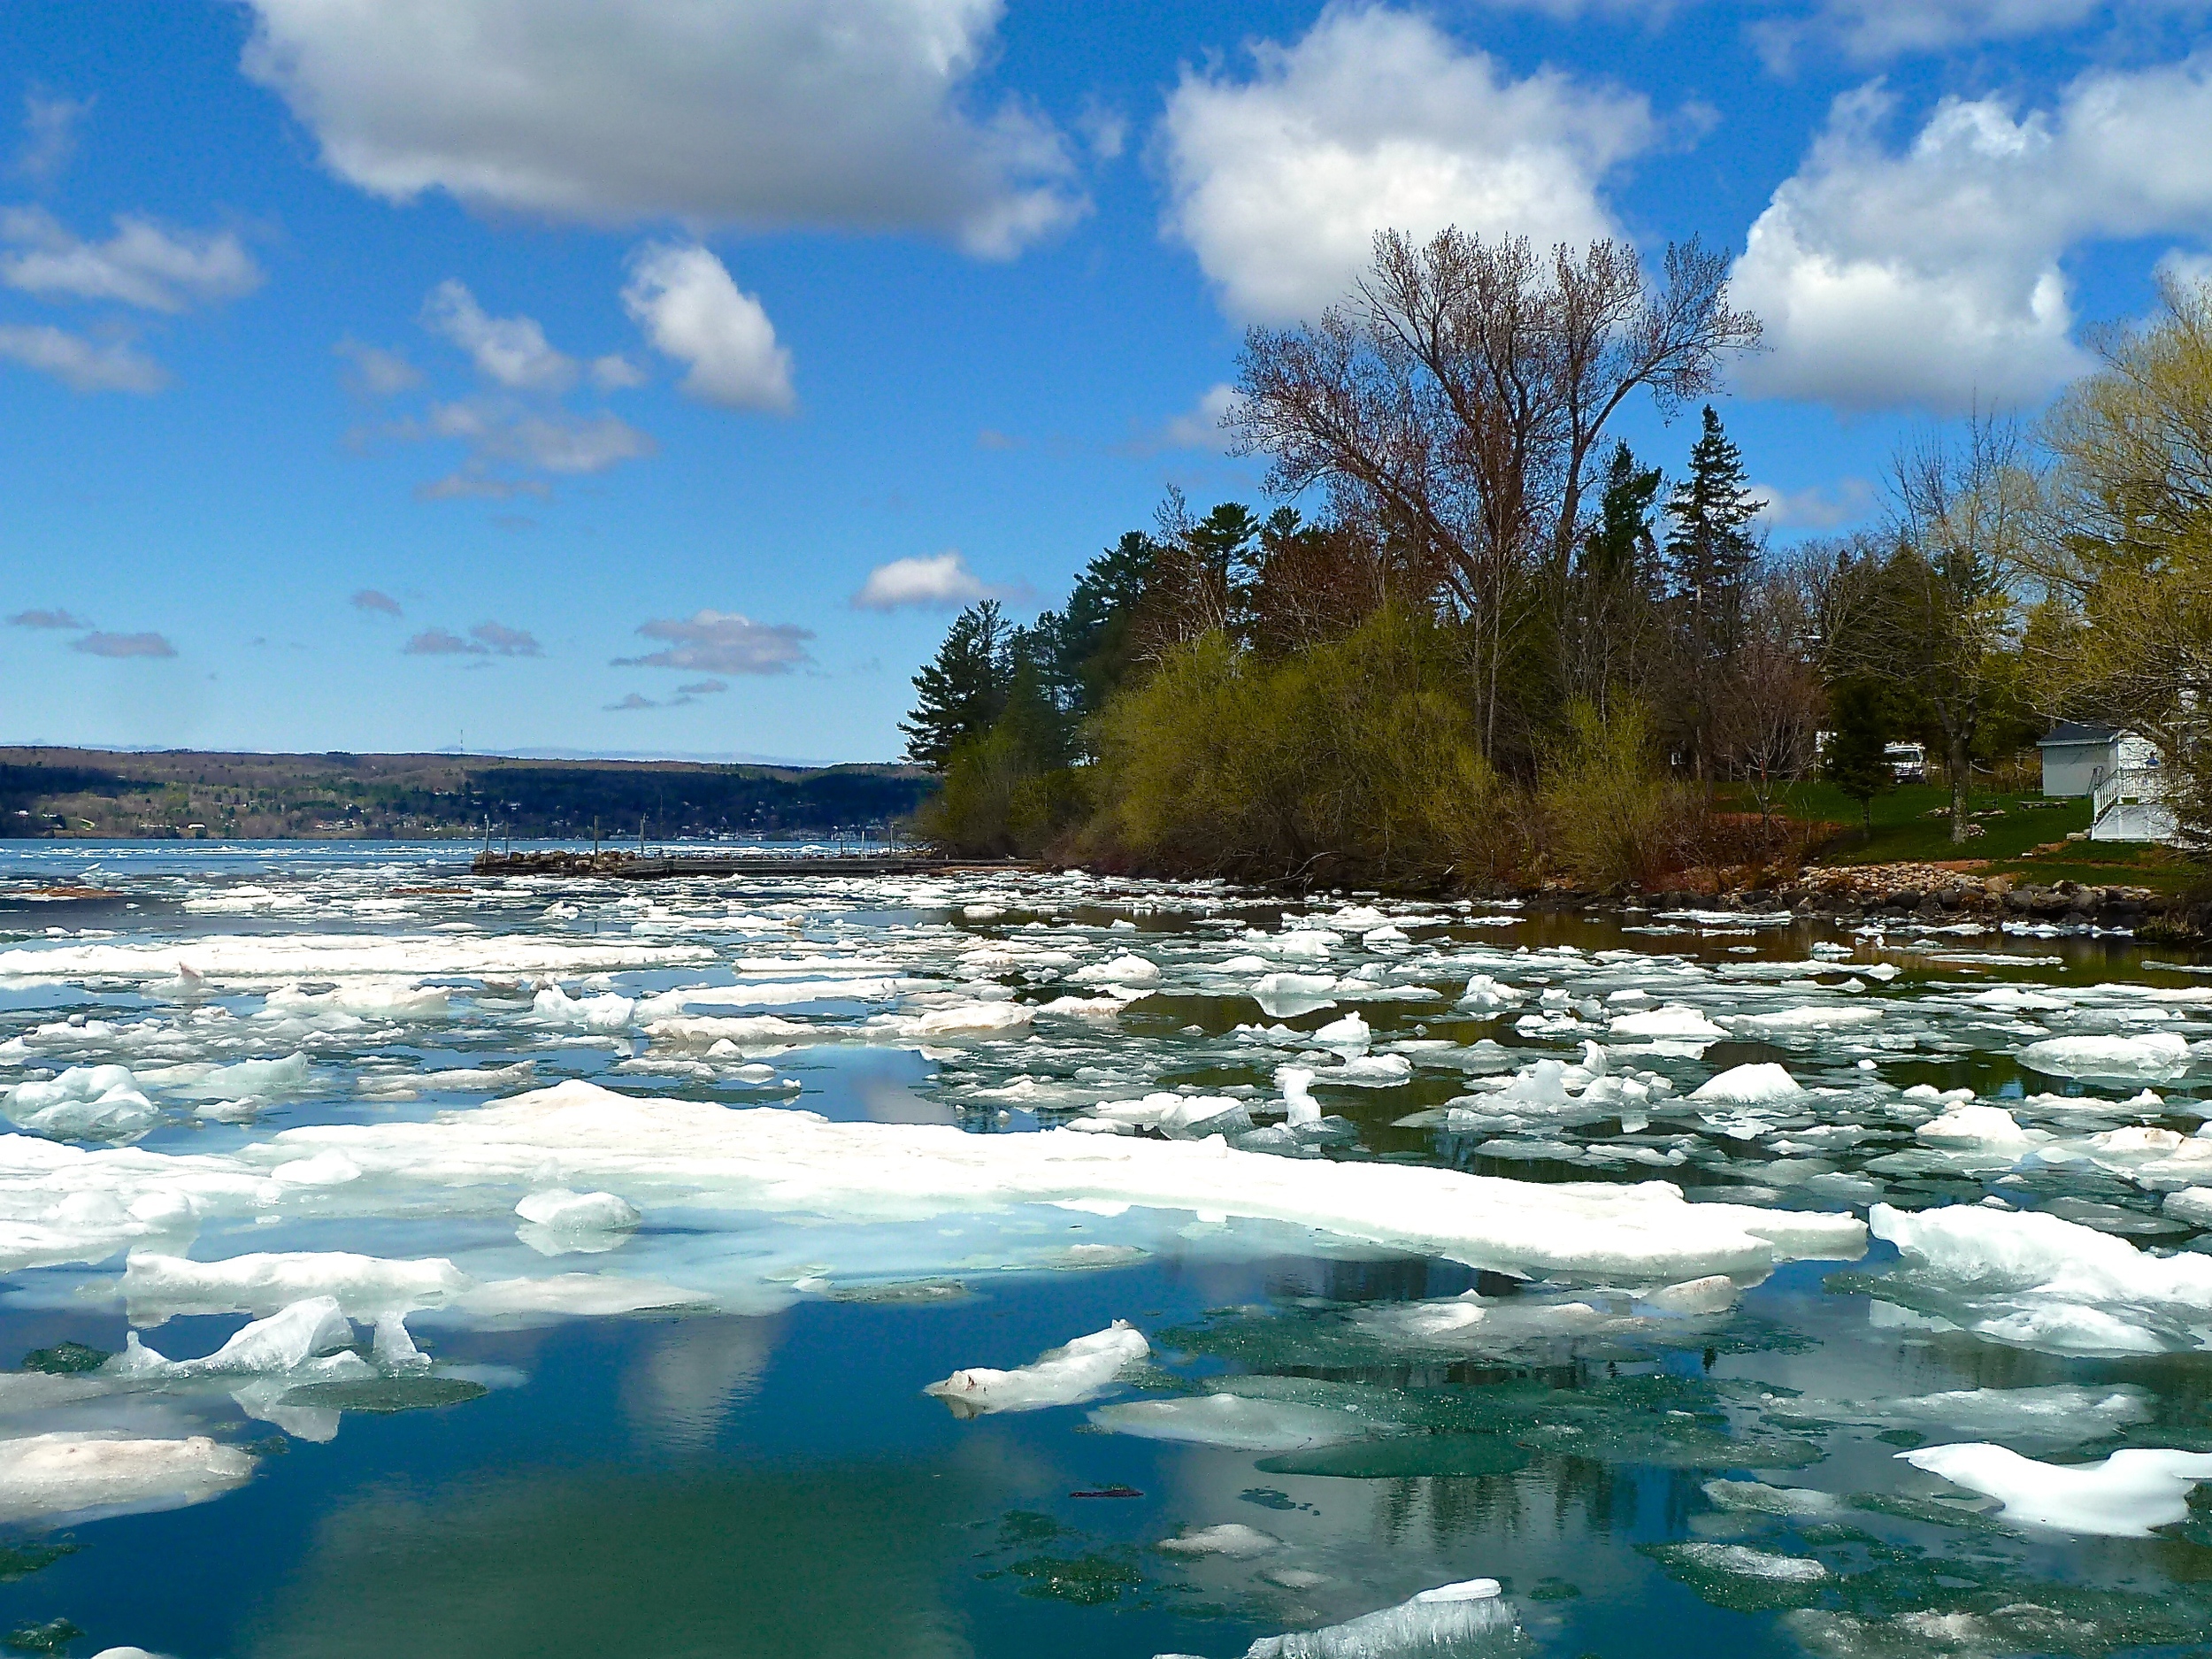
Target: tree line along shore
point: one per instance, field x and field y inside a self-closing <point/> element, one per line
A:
<point x="1479" y="643"/>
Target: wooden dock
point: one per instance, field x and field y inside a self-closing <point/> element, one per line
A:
<point x="623" y="866"/>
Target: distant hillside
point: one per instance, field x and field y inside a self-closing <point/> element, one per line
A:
<point x="94" y="792"/>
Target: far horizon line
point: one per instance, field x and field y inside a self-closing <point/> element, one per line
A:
<point x="696" y="758"/>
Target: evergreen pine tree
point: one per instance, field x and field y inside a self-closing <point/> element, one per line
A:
<point x="1855" y="761"/>
<point x="962" y="691"/>
<point x="1621" y="541"/>
<point x="1710" y="551"/>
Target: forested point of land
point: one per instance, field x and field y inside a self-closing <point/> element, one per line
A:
<point x="1480" y="641"/>
<point x="93" y="794"/>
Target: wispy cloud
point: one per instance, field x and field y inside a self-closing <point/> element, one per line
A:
<point x="370" y="599"/>
<point x="49" y="133"/>
<point x="123" y="645"/>
<point x="485" y="639"/>
<point x="1197" y="428"/>
<point x="376" y="373"/>
<point x="141" y="265"/>
<point x="635" y="699"/>
<point x="47" y="619"/>
<point x="82" y="365"/>
<point x="512" y="350"/>
<point x="722" y="642"/>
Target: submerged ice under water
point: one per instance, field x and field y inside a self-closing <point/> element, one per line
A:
<point x="515" y="1266"/>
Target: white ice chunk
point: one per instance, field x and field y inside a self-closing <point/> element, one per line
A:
<point x="2042" y="1281"/>
<point x="2160" y="1054"/>
<point x="1978" y="1126"/>
<point x="607" y="1012"/>
<point x="1348" y="1036"/>
<point x="364" y="1287"/>
<point x="1674" y="1019"/>
<point x="45" y="1477"/>
<point x="1067" y="1376"/>
<point x="1716" y="1293"/>
<point x="1756" y="1084"/>
<point x="2124" y="1496"/>
<point x="1285" y="995"/>
<point x="284" y="1341"/>
<point x="1296" y="1082"/>
<point x="84" y="1102"/>
<point x="1123" y="970"/>
<point x="1434" y="1622"/>
<point x="585" y="1212"/>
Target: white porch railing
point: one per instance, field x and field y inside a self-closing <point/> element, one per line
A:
<point x="2131" y="806"/>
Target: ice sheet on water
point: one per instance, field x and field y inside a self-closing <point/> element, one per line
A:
<point x="1079" y="1371"/>
<point x="312" y="957"/>
<point x="1238" y="1423"/>
<point x="2124" y="1496"/>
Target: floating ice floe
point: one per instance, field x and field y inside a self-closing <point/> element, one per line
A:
<point x="1232" y="1539"/>
<point x="1760" y="1083"/>
<point x="47" y="1478"/>
<point x="1673" y="1019"/>
<point x="312" y="957"/>
<point x="1286" y="996"/>
<point x="86" y="1103"/>
<point x="606" y="1013"/>
<point x="2055" y="1415"/>
<point x="1066" y="1376"/>
<point x="2155" y="1055"/>
<point x="789" y="1161"/>
<point x="1238" y="1423"/>
<point x="2124" y="1496"/>
<point x="1979" y="1128"/>
<point x="2037" y="1280"/>
<point x="1439" y="1621"/>
<point x="1740" y="1561"/>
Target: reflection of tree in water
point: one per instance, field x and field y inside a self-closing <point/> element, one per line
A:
<point x="1561" y="1496"/>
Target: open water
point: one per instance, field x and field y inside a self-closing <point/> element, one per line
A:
<point x="1380" y="1184"/>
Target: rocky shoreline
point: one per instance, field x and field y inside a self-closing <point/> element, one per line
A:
<point x="1932" y="893"/>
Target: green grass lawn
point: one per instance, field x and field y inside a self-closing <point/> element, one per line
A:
<point x="1905" y="832"/>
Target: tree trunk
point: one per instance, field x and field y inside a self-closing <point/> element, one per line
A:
<point x="1959" y="765"/>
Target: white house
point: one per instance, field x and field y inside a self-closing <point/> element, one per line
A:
<point x="2119" y="772"/>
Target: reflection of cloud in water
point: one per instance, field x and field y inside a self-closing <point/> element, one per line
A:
<point x="887" y="1100"/>
<point x="688" y="1374"/>
<point x="838" y="1563"/>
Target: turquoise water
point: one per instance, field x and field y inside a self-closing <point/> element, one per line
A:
<point x="738" y="1459"/>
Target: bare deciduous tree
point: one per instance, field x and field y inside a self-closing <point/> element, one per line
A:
<point x="1457" y="398"/>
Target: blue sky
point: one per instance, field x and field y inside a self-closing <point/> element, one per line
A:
<point x="650" y="376"/>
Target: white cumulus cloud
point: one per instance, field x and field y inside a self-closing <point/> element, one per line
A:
<point x="844" y="113"/>
<point x="1932" y="275"/>
<point x="683" y="298"/>
<point x="722" y="642"/>
<point x="942" y="581"/>
<point x="1375" y="120"/>
<point x="141" y="265"/>
<point x="82" y="365"/>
